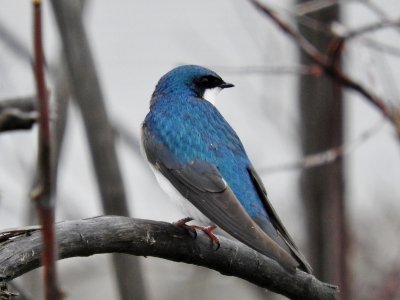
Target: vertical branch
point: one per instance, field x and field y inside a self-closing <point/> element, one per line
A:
<point x="322" y="110"/>
<point x="42" y="192"/>
<point x="86" y="90"/>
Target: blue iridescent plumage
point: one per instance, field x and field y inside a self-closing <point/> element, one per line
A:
<point x="194" y="129"/>
<point x="193" y="146"/>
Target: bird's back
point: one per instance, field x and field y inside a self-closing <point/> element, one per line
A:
<point x="195" y="129"/>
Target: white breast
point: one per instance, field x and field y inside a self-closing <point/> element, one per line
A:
<point x="211" y="94"/>
<point x="182" y="203"/>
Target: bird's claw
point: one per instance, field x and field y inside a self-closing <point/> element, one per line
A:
<point x="192" y="230"/>
<point x="189" y="228"/>
<point x="209" y="231"/>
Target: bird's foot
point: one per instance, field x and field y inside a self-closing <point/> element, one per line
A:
<point x="209" y="231"/>
<point x="192" y="230"/>
<point x="182" y="224"/>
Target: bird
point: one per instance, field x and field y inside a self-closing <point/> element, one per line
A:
<point x="199" y="160"/>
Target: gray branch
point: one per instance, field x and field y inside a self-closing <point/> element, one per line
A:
<point x="109" y="234"/>
<point x="18" y="113"/>
<point x="87" y="91"/>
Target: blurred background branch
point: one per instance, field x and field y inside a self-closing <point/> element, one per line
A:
<point x="18" y="113"/>
<point x="327" y="156"/>
<point x="12" y="117"/>
<point x="87" y="92"/>
<point x="315" y="55"/>
<point x="14" y="45"/>
<point x="322" y="122"/>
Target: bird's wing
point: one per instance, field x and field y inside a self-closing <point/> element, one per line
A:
<point x="202" y="184"/>
<point x="276" y="222"/>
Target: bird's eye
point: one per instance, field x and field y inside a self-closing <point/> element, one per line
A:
<point x="204" y="80"/>
<point x="209" y="81"/>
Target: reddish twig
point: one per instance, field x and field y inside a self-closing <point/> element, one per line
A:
<point x="329" y="66"/>
<point x="42" y="193"/>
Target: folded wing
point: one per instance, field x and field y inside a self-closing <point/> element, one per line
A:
<point x="202" y="184"/>
<point x="277" y="223"/>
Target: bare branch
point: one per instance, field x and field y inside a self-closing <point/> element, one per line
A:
<point x="312" y="6"/>
<point x="87" y="91"/>
<point x="329" y="30"/>
<point x="26" y="104"/>
<point x="8" y="234"/>
<point x="42" y="192"/>
<point x="14" y="119"/>
<point x="381" y="47"/>
<point x="159" y="239"/>
<point x="371" y="27"/>
<point x="330" y="67"/>
<point x="126" y="135"/>
<point x="325" y="157"/>
<point x="15" y="46"/>
<point x="17" y="114"/>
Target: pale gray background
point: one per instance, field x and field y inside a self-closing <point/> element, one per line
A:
<point x="134" y="44"/>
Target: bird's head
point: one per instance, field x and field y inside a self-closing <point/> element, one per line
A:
<point x="191" y="80"/>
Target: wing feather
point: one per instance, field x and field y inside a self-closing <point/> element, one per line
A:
<point x="277" y="223"/>
<point x="202" y="184"/>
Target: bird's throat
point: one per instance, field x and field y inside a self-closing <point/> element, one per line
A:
<point x="211" y="94"/>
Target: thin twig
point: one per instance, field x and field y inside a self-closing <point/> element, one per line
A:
<point x="381" y="47"/>
<point x="325" y="157"/>
<point x="370" y="28"/>
<point x="313" y="6"/>
<point x="312" y="70"/>
<point x="377" y="10"/>
<point x="108" y="234"/>
<point x="383" y="15"/>
<point x="329" y="30"/>
<point x="42" y="193"/>
<point x="338" y="42"/>
<point x="125" y="134"/>
<point x="15" y="45"/>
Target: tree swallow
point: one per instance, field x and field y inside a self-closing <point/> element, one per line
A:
<point x="198" y="158"/>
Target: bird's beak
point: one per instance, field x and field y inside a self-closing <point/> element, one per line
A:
<point x="226" y="85"/>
